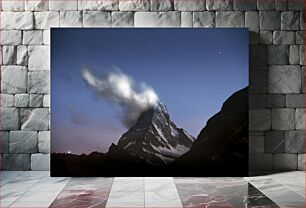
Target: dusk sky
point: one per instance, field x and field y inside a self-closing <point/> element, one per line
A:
<point x="193" y="71"/>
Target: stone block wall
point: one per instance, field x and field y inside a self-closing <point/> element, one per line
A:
<point x="277" y="104"/>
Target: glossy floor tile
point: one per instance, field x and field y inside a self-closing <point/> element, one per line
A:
<point x="80" y="198"/>
<point x="125" y="199"/>
<point x="84" y="192"/>
<point x="16" y="183"/>
<point x="238" y="192"/>
<point x="278" y="192"/>
<point x="21" y="189"/>
<point x="295" y="181"/>
<point x="161" y="192"/>
<point x="128" y="184"/>
<point x="200" y="193"/>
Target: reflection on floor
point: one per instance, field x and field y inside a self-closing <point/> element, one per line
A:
<point x="37" y="189"/>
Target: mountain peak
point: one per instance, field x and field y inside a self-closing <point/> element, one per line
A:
<point x="161" y="107"/>
<point x="155" y="138"/>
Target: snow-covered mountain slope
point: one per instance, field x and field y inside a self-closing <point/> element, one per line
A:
<point x="155" y="139"/>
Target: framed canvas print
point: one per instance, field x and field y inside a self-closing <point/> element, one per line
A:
<point x="149" y="102"/>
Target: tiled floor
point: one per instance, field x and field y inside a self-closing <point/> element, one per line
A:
<point x="37" y="189"/>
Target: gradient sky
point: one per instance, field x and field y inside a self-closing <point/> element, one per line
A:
<point x="193" y="71"/>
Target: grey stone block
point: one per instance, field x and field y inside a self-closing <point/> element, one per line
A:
<point x="269" y="20"/>
<point x="283" y="118"/>
<point x="39" y="82"/>
<point x="162" y="5"/>
<point x="196" y="5"/>
<point x="278" y="54"/>
<point x="134" y="5"/>
<point x="300" y="119"/>
<point x="256" y="144"/>
<point x="257" y="101"/>
<point x="6" y="100"/>
<point x="294" y="54"/>
<point x="16" y="161"/>
<point x="245" y="5"/>
<point x="276" y="100"/>
<point x="266" y="37"/>
<point x="157" y="19"/>
<point x="302" y="56"/>
<point x="46" y="101"/>
<point x="39" y="58"/>
<point x="46" y="37"/>
<point x="4" y="141"/>
<point x="186" y="19"/>
<point x="9" y="55"/>
<point x="297" y="5"/>
<point x="32" y="37"/>
<point x="35" y="120"/>
<point x="98" y="18"/>
<point x="253" y="38"/>
<point x="13" y="79"/>
<point x="260" y="162"/>
<point x="252" y="21"/>
<point x="63" y="5"/>
<point x="290" y="20"/>
<point x="7" y="22"/>
<point x="71" y="19"/>
<point x="203" y="19"/>
<point x="299" y="37"/>
<point x="285" y="162"/>
<point x="274" y="141"/>
<point x="303" y="79"/>
<point x="295" y="100"/>
<point x="302" y="20"/>
<point x="22" y="55"/>
<point x="21" y="100"/>
<point x="36" y="100"/>
<point x="98" y="5"/>
<point x="283" y="37"/>
<point x="47" y="19"/>
<point x="25" y="113"/>
<point x="258" y="82"/>
<point x="13" y="6"/>
<point x="23" y="142"/>
<point x="229" y="19"/>
<point x="294" y="141"/>
<point x="10" y="119"/>
<point x="40" y="161"/>
<point x="122" y="19"/>
<point x="222" y="5"/>
<point x="301" y="161"/>
<point x="37" y="5"/>
<point x="44" y="141"/>
<point x="281" y="5"/>
<point x="285" y="79"/>
<point x="256" y="133"/>
<point x="11" y="37"/>
<point x="24" y="20"/>
<point x="258" y="56"/>
<point x="265" y="5"/>
<point x="259" y="120"/>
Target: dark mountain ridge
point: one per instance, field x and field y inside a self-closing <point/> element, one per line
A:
<point x="154" y="146"/>
<point x="223" y="143"/>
